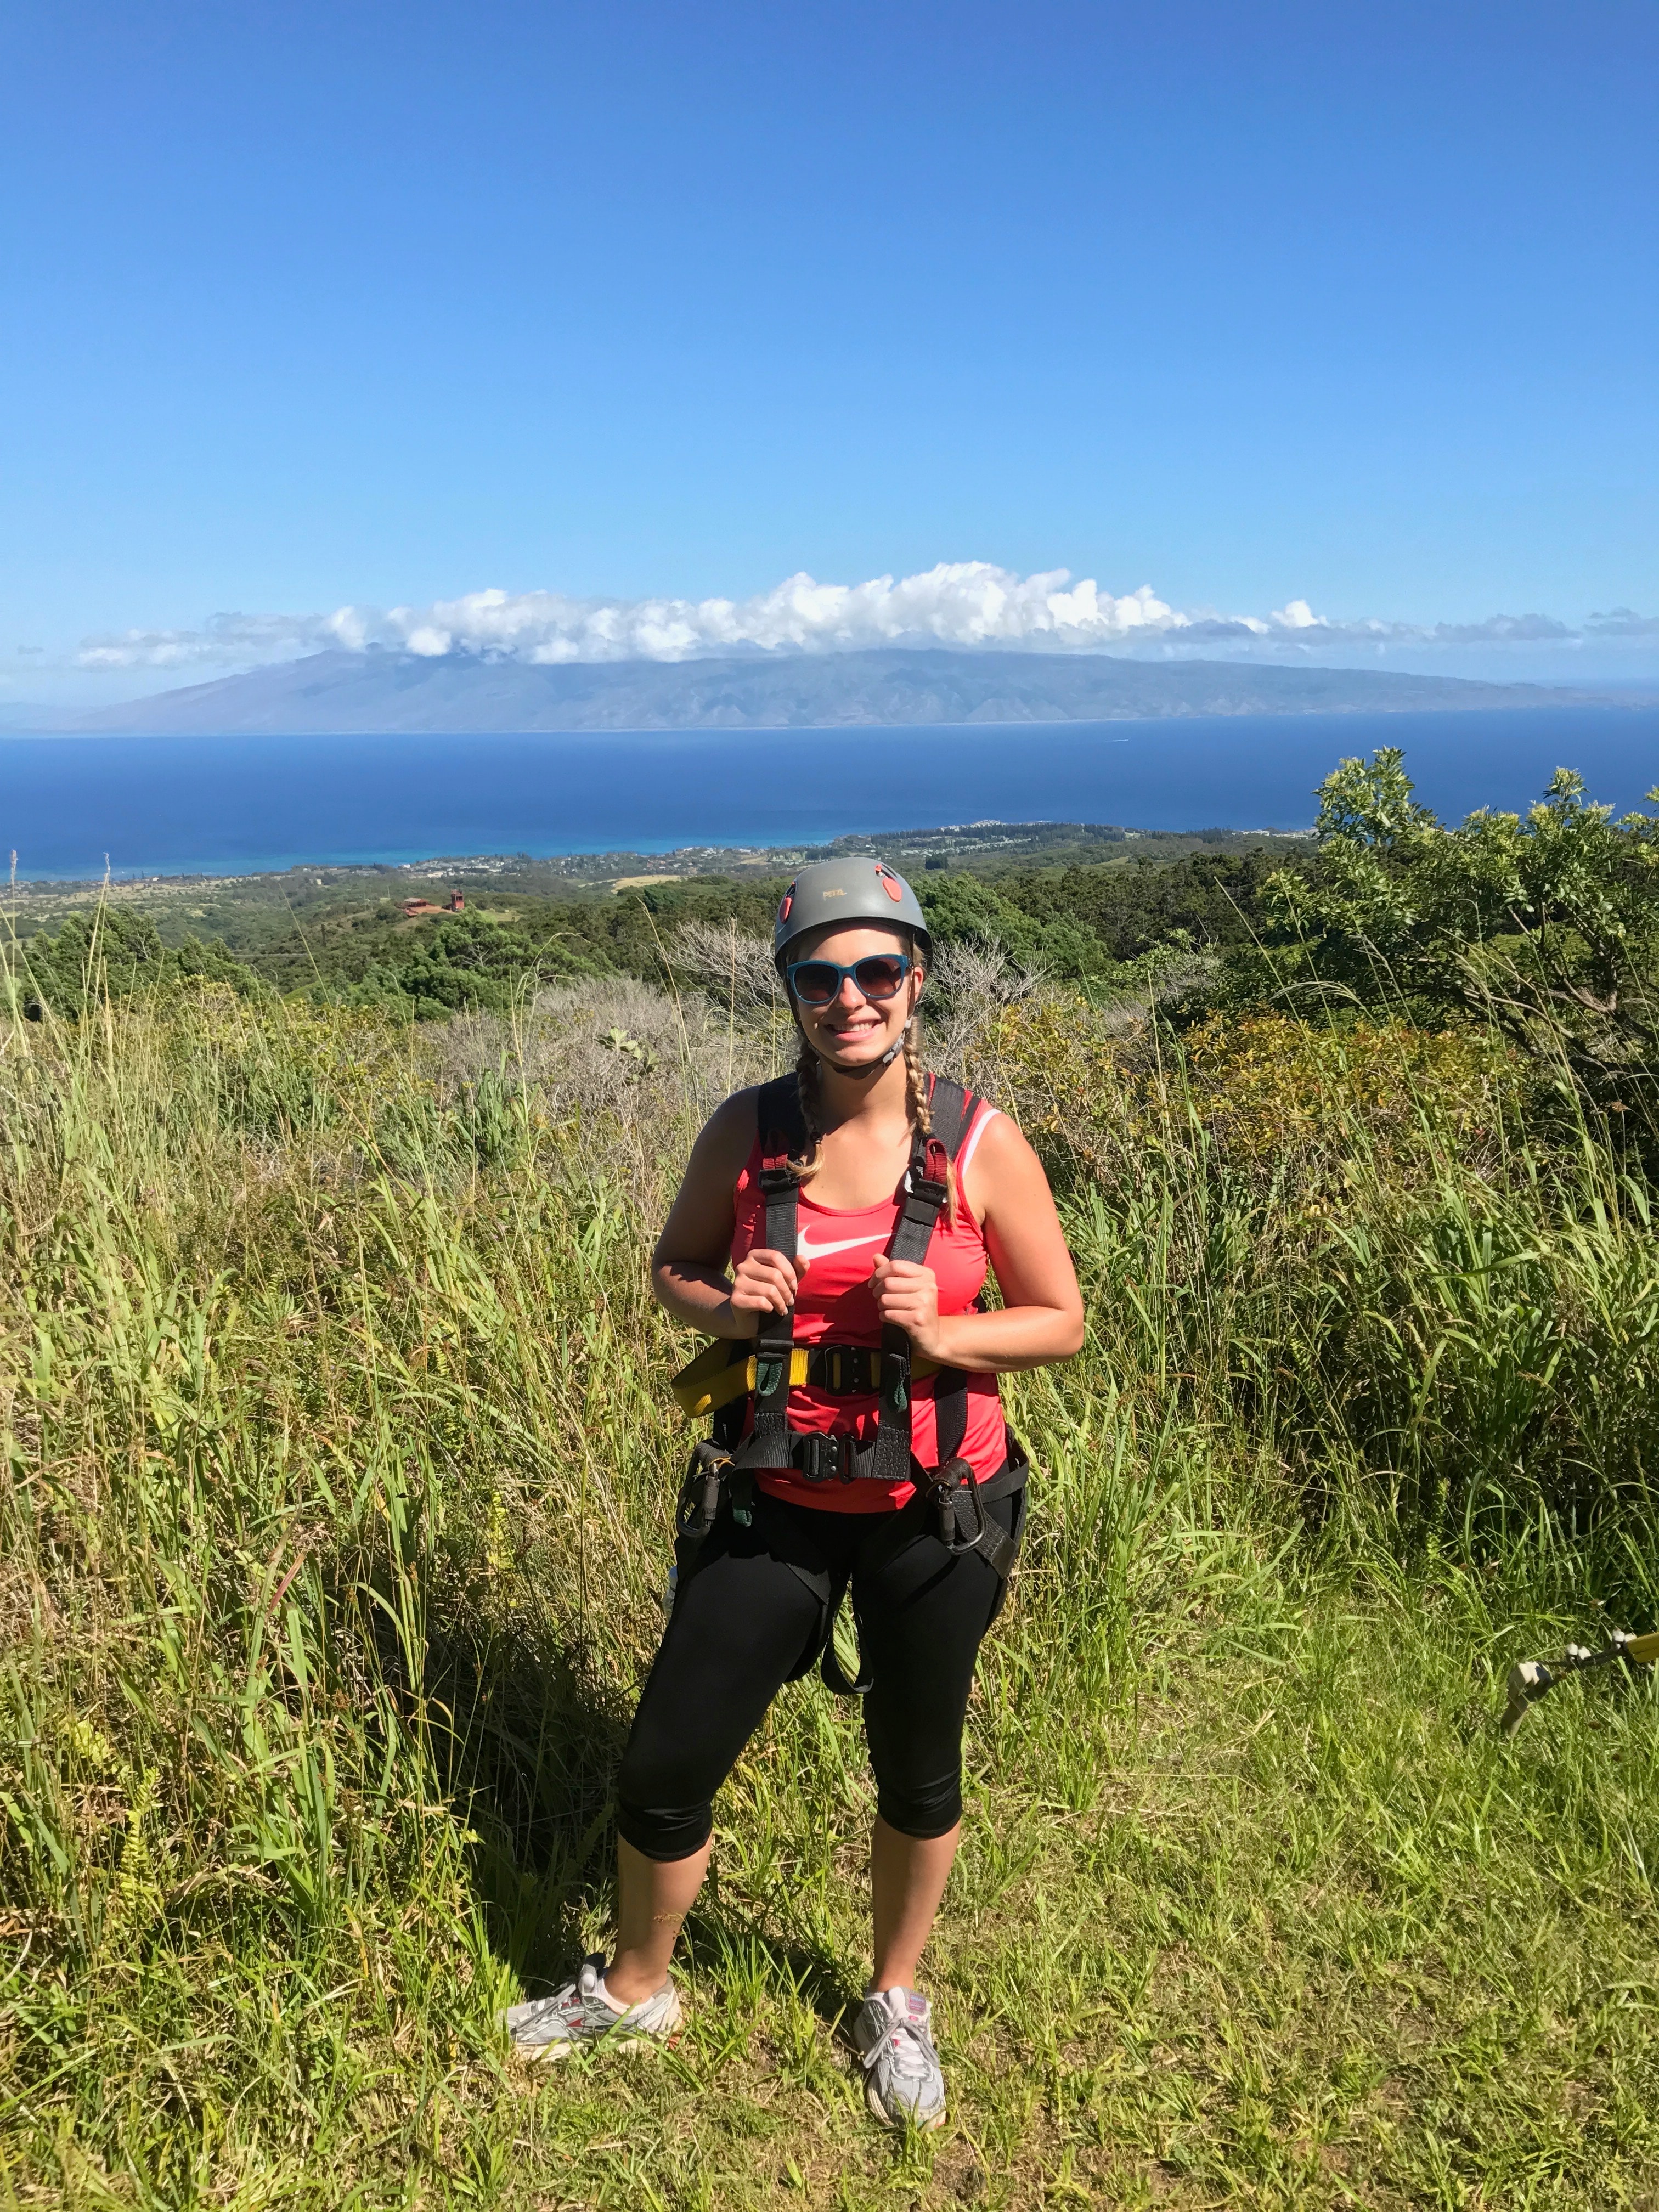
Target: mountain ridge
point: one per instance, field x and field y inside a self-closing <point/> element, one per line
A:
<point x="390" y="693"/>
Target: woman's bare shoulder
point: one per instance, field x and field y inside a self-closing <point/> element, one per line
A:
<point x="728" y="1135"/>
<point x="1001" y="1165"/>
<point x="700" y="1216"/>
<point x="997" y="1136"/>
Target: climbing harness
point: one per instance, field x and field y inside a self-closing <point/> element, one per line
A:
<point x="728" y="1378"/>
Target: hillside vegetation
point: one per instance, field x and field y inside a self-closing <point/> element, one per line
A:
<point x="340" y="1465"/>
<point x="343" y="935"/>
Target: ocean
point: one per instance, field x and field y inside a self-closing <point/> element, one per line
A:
<point x="239" y="805"/>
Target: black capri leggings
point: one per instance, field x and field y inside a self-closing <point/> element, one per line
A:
<point x="747" y="1622"/>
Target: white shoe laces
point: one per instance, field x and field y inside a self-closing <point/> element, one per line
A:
<point x="907" y="2046"/>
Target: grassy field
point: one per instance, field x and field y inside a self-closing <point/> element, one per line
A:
<point x="340" y="1468"/>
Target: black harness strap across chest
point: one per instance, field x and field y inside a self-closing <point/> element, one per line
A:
<point x="783" y="1135"/>
<point x="926" y="1188"/>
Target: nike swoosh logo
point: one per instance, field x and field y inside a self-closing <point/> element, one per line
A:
<point x="808" y="1251"/>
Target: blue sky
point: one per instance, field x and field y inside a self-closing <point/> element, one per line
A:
<point x="308" y="307"/>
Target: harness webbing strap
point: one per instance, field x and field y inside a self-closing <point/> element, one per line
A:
<point x="977" y="1532"/>
<point x="926" y="1189"/>
<point x="782" y="1134"/>
<point x="728" y="1369"/>
<point x="948" y="1104"/>
<point x="949" y="1412"/>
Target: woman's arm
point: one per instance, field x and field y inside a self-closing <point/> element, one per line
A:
<point x="689" y="1266"/>
<point x="1042" y="1316"/>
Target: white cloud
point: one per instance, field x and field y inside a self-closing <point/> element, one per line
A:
<point x="965" y="603"/>
<point x="970" y="604"/>
<point x="227" y="641"/>
<point x="1623" y="622"/>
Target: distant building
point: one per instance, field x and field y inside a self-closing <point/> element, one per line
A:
<point x="456" y="903"/>
<point x="417" y="908"/>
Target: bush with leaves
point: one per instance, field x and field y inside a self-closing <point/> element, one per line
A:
<point x="109" y="953"/>
<point x="462" y="963"/>
<point x="1292" y="1115"/>
<point x="965" y="909"/>
<point x="1544" y="924"/>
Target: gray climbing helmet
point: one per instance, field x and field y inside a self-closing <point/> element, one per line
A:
<point x="857" y="889"/>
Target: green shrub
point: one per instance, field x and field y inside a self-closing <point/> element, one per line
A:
<point x="1351" y="1239"/>
<point x="111" y="953"/>
<point x="1545" y="925"/>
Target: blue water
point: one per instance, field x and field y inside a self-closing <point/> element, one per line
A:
<point x="233" y="806"/>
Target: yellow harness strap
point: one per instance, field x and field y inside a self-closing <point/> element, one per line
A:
<point x="714" y="1377"/>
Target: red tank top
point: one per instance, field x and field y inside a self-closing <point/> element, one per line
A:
<point x="836" y="1304"/>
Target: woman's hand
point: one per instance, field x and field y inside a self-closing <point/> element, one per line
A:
<point x="764" y="1282"/>
<point x="907" y="1298"/>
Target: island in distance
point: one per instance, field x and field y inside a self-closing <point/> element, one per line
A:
<point x="386" y="692"/>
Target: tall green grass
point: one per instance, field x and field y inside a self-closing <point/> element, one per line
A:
<point x="340" y="1469"/>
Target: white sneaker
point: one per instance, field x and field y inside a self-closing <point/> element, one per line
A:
<point x="583" y="2012"/>
<point x="903" y="2079"/>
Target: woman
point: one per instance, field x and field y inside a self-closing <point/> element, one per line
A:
<point x="809" y="1191"/>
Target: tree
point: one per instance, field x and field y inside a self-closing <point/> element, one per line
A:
<point x="463" y="962"/>
<point x="1546" y="923"/>
<point x="109" y="953"/>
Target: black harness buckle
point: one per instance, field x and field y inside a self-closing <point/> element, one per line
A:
<point x="946" y="1484"/>
<point x="821" y="1458"/>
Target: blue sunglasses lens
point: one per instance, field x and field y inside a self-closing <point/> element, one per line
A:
<point x="880" y="976"/>
<point x="815" y="982"/>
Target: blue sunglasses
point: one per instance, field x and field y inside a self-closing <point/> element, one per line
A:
<point x="878" y="975"/>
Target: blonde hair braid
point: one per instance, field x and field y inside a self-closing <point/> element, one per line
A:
<point x="918" y="1111"/>
<point x="918" y="1107"/>
<point x="806" y="1075"/>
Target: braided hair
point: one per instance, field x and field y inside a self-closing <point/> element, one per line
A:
<point x="918" y="1109"/>
<point x="807" y="1165"/>
<point x="918" y="1105"/>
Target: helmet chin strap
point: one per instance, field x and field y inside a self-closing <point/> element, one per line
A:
<point x="876" y="1067"/>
